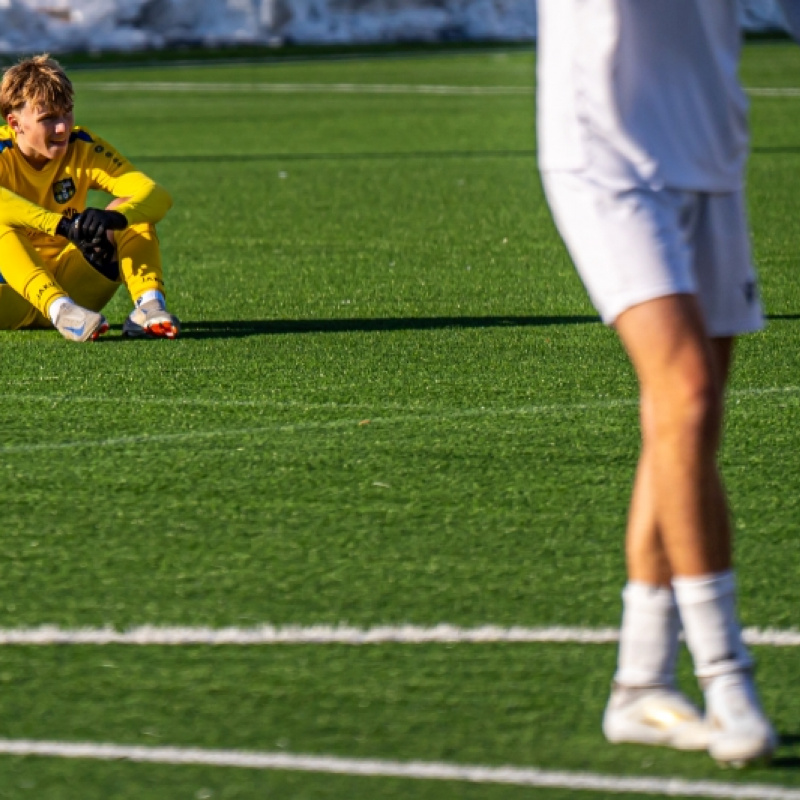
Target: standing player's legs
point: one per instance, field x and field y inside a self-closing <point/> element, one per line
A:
<point x="678" y="516"/>
<point x="646" y="558"/>
<point x="685" y="530"/>
<point x="657" y="266"/>
<point x="682" y="516"/>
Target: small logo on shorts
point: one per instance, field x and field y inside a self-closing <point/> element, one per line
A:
<point x="63" y="190"/>
<point x="749" y="289"/>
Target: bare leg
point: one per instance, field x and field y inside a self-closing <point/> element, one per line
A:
<point x="679" y="533"/>
<point x="646" y="557"/>
<point x="678" y="522"/>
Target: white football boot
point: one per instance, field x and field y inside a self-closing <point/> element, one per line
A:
<point x="78" y="324"/>
<point x="740" y="732"/>
<point x="660" y="715"/>
<point x="152" y="320"/>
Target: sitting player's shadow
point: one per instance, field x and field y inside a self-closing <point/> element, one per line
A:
<point x="789" y="761"/>
<point x="230" y="329"/>
<point x="782" y="317"/>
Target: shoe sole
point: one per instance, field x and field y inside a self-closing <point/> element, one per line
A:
<point x="158" y="330"/>
<point x="104" y="328"/>
<point x="749" y="763"/>
<point x="745" y="755"/>
<point x="658" y="738"/>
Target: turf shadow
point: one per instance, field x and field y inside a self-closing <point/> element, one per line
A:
<point x="776" y="150"/>
<point x="230" y="329"/>
<point x="788" y="762"/>
<point x="401" y="155"/>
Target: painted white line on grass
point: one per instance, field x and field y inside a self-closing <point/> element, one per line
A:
<point x="354" y="88"/>
<point x="343" y="634"/>
<point x="413" y="770"/>
<point x="303" y="88"/>
<point x="138" y="400"/>
<point x="776" y="91"/>
<point x="290" y="427"/>
<point x="198" y="402"/>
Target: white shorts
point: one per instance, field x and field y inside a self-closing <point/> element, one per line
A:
<point x="639" y="244"/>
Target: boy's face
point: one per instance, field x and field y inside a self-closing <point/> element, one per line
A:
<point x="42" y="132"/>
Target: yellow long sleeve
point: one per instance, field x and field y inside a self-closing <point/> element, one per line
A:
<point x="147" y="201"/>
<point x="16" y="212"/>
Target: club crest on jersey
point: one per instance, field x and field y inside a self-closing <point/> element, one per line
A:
<point x="63" y="190"/>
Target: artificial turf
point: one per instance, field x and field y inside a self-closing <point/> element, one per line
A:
<point x="391" y="402"/>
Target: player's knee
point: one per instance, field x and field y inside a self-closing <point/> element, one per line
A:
<point x="691" y="409"/>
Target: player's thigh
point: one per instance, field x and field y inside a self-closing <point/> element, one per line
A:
<point x="82" y="282"/>
<point x="723" y="265"/>
<point x="628" y="246"/>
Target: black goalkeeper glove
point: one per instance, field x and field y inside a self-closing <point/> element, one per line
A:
<point x="103" y="257"/>
<point x="91" y="226"/>
<point x="102" y="254"/>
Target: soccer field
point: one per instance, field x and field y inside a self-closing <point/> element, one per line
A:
<point x="392" y="408"/>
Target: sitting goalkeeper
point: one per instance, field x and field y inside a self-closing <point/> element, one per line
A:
<point x="60" y="262"/>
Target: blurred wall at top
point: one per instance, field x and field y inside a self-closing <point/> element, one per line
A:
<point x="64" y="25"/>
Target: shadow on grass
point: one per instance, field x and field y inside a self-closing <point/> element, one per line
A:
<point x="396" y="155"/>
<point x="788" y="762"/>
<point x="786" y="149"/>
<point x="222" y="329"/>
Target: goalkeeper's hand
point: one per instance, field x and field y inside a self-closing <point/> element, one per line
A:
<point x="91" y="226"/>
<point x="102" y="256"/>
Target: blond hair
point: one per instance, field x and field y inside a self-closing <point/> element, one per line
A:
<point x="40" y="81"/>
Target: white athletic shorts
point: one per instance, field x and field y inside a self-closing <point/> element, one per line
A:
<point x="639" y="244"/>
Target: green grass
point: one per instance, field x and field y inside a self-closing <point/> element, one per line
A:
<point x="392" y="402"/>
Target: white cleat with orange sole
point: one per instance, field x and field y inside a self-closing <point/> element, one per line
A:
<point x="78" y="324"/>
<point x="151" y="320"/>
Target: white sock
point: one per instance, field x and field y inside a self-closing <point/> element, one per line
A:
<point x="707" y="606"/>
<point x="152" y="294"/>
<point x="648" y="640"/>
<point x="56" y="306"/>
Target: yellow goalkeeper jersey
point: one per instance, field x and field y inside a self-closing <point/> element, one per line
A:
<point x="62" y="185"/>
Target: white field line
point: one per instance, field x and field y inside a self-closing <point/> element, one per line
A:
<point x="208" y="402"/>
<point x="149" y="635"/>
<point x="267" y="402"/>
<point x="414" y="770"/>
<point x="352" y="88"/>
<point x="290" y="427"/>
<point x="303" y="88"/>
<point x="767" y="91"/>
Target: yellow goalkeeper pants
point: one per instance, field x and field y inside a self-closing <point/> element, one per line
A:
<point x="29" y="284"/>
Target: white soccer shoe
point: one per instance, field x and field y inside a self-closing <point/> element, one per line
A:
<point x="78" y="324"/>
<point x="740" y="730"/>
<point x="152" y="320"/>
<point x="657" y="716"/>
